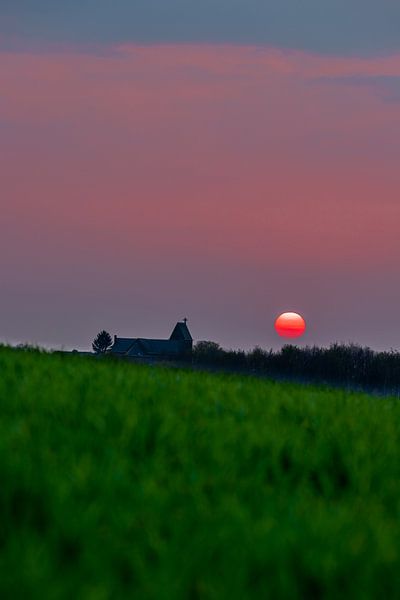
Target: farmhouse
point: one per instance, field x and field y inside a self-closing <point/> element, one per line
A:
<point x="178" y="346"/>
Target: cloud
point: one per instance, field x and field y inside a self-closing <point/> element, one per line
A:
<point x="386" y="86"/>
<point x="178" y="134"/>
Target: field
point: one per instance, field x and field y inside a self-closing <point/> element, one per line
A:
<point x="125" y="481"/>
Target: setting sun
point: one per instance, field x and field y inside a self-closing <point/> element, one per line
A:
<point x="290" y="325"/>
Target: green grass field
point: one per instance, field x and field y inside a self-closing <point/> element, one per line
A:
<point x="123" y="481"/>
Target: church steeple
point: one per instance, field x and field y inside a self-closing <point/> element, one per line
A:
<point x="181" y="332"/>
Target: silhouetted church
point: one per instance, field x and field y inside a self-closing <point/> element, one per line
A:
<point x="178" y="346"/>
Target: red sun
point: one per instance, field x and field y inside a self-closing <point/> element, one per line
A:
<point x="290" y="325"/>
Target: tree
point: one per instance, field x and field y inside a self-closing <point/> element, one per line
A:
<point x="102" y="342"/>
<point x="207" y="351"/>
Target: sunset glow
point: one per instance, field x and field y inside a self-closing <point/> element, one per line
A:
<point x="290" y="325"/>
<point x="210" y="204"/>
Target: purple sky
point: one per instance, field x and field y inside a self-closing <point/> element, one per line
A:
<point x="153" y="169"/>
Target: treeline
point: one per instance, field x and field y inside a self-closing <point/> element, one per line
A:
<point x="349" y="365"/>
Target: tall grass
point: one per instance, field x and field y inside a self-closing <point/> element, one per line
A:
<point x="122" y="481"/>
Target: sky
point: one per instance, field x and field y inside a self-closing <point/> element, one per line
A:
<point x="220" y="161"/>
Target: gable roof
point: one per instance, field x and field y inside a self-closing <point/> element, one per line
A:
<point x="143" y="347"/>
<point x="121" y="345"/>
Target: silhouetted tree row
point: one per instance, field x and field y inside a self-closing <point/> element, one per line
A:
<point x="350" y="365"/>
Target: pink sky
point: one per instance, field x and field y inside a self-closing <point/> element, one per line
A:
<point x="223" y="183"/>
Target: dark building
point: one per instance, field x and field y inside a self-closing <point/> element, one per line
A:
<point x="178" y="346"/>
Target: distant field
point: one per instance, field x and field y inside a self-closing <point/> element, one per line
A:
<point x="124" y="481"/>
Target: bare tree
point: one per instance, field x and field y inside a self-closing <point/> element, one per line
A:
<point x="102" y="342"/>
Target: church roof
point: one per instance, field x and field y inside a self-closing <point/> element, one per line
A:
<point x="122" y="345"/>
<point x="175" y="346"/>
<point x="143" y="347"/>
